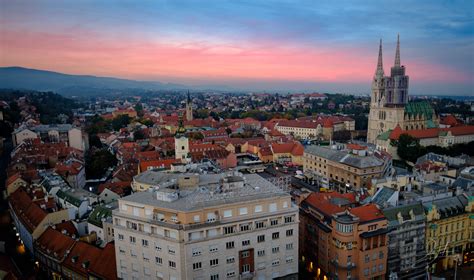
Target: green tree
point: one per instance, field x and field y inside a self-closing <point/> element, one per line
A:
<point x="408" y="147"/>
<point x="120" y="122"/>
<point x="98" y="161"/>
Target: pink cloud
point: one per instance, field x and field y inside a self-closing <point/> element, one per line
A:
<point x="88" y="53"/>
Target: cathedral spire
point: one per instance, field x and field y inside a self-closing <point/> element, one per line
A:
<point x="397" y="53"/>
<point x="379" y="72"/>
<point x="189" y="97"/>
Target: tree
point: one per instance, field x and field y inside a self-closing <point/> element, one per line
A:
<point x="98" y="161"/>
<point x="120" y="122"/>
<point x="137" y="135"/>
<point x="408" y="147"/>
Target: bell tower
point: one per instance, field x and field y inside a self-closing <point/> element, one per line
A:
<point x="189" y="108"/>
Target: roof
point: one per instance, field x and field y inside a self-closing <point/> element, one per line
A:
<point x="120" y="188"/>
<point x="417" y="108"/>
<point x="69" y="197"/>
<point x="82" y="256"/>
<point x="383" y="195"/>
<point x="29" y="213"/>
<point x="105" y="268"/>
<point x="345" y="157"/>
<point x="368" y="213"/>
<point x="68" y="227"/>
<point x="448" y="207"/>
<point x="294" y="148"/>
<point x="101" y="213"/>
<point x="162" y="163"/>
<point x="392" y="213"/>
<point x="54" y="244"/>
<point x="330" y="203"/>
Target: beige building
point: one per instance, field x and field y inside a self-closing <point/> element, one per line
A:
<point x="343" y="168"/>
<point x="214" y="226"/>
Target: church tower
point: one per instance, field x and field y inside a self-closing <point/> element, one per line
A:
<point x="181" y="143"/>
<point x="388" y="97"/>
<point x="189" y="108"/>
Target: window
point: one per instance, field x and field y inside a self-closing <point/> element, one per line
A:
<point x="196" y="252"/>
<point x="229" y="230"/>
<point x="230" y="245"/>
<point x="245" y="227"/>
<point x="243" y="211"/>
<point x="260" y="224"/>
<point x="344" y="228"/>
<point x="146" y="258"/>
<point x="171" y="250"/>
<point x="197" y="218"/>
<point x="261" y="253"/>
<point x="366" y="272"/>
<point x="227" y="213"/>
<point x="246" y="268"/>
<point x="197" y="266"/>
<point x="133" y="254"/>
<point x="274" y="222"/>
<point x="172" y="264"/>
<point x="289" y="246"/>
<point x="245" y="254"/>
<point x="289" y="232"/>
<point x="289" y="259"/>
<point x="211" y="217"/>
<point x="380" y="255"/>
<point x="258" y="208"/>
<point x="159" y="260"/>
<point x="275" y="262"/>
<point x="230" y="274"/>
<point x="380" y="267"/>
<point x="372" y="227"/>
<point x="144" y="243"/>
<point x="120" y="236"/>
<point x="275" y="250"/>
<point x="157" y="247"/>
<point x="214" y="262"/>
<point x="367" y="258"/>
<point x="285" y="204"/>
<point x="275" y="235"/>
<point x="289" y="219"/>
<point x="272" y="207"/>
<point x="215" y="277"/>
<point x="230" y="260"/>
<point x="374" y="269"/>
<point x="133" y="240"/>
<point x="261" y="238"/>
<point x="245" y="242"/>
<point x="213" y="248"/>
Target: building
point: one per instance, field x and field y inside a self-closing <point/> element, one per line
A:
<point x="341" y="240"/>
<point x="52" y="133"/>
<point x="212" y="226"/>
<point x="31" y="218"/>
<point x="100" y="223"/>
<point x="389" y="104"/>
<point x="320" y="126"/>
<point x="449" y="229"/>
<point x="189" y="108"/>
<point x="443" y="137"/>
<point x="346" y="169"/>
<point x="406" y="241"/>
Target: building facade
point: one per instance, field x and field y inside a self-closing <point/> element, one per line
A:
<point x="406" y="241"/>
<point x="207" y="227"/>
<point x="341" y="240"/>
<point x="389" y="104"/>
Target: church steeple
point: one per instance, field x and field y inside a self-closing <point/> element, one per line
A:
<point x="379" y="72"/>
<point x="397" y="53"/>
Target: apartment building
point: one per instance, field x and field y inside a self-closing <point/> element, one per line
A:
<point x="208" y="226"/>
<point x="64" y="133"/>
<point x="346" y="168"/>
<point x="406" y="239"/>
<point x="449" y="229"/>
<point x="341" y="240"/>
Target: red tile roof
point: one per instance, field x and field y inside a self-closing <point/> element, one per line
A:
<point x="120" y="188"/>
<point x="366" y="213"/>
<point x="29" y="213"/>
<point x="432" y="132"/>
<point x="54" y="244"/>
<point x="162" y="163"/>
<point x="68" y="228"/>
<point x="322" y="202"/>
<point x="106" y="268"/>
<point x="81" y="257"/>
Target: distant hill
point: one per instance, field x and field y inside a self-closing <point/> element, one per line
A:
<point x="32" y="79"/>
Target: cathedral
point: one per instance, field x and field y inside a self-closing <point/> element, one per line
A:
<point x="389" y="104"/>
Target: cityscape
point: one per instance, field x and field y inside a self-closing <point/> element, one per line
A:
<point x="219" y="140"/>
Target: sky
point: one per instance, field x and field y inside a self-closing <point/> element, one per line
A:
<point x="325" y="46"/>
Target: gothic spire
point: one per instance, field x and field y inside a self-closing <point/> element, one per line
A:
<point x="397" y="53"/>
<point x="189" y="98"/>
<point x="379" y="71"/>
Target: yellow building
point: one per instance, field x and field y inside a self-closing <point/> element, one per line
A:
<point x="449" y="229"/>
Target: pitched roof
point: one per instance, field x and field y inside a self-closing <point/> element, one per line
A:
<point x="162" y="163"/>
<point x="29" y="213"/>
<point x="419" y="108"/>
<point x="330" y="203"/>
<point x="55" y="244"/>
<point x="82" y="256"/>
<point x="120" y="188"/>
<point x="99" y="213"/>
<point x="105" y="268"/>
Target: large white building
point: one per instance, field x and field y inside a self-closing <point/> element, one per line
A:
<point x="72" y="136"/>
<point x="214" y="226"/>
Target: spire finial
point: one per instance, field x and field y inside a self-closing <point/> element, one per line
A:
<point x="379" y="71"/>
<point x="189" y="97"/>
<point x="397" y="53"/>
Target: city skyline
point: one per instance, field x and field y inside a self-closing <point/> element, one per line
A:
<point x="279" y="46"/>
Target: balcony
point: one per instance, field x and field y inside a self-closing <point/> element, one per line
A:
<point x="247" y="275"/>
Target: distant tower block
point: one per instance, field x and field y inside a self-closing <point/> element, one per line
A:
<point x="189" y="108"/>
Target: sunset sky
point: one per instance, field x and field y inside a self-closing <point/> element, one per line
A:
<point x="263" y="45"/>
